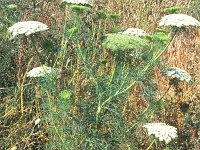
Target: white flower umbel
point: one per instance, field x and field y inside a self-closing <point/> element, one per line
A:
<point x="78" y="2"/>
<point x="177" y="73"/>
<point x="162" y="131"/>
<point x="40" y="71"/>
<point x="179" y="20"/>
<point x="135" y="32"/>
<point x="27" y="28"/>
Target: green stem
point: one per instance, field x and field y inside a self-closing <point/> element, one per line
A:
<point x="113" y="72"/>
<point x="142" y="73"/>
<point x="22" y="87"/>
<point x="64" y="41"/>
<point x="52" y="120"/>
<point x="154" y="141"/>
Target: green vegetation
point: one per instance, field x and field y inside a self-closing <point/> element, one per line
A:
<point x="172" y="10"/>
<point x="117" y="42"/>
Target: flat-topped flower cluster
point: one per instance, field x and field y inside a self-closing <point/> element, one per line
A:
<point x="177" y="73"/>
<point x="118" y="41"/>
<point x="27" y="28"/>
<point x="40" y="71"/>
<point x="179" y="20"/>
<point x="162" y="131"/>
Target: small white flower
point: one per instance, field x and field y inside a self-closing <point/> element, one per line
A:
<point x="179" y="20"/>
<point x="27" y="28"/>
<point x="135" y="32"/>
<point x="82" y="2"/>
<point x="135" y="54"/>
<point x="162" y="131"/>
<point x="177" y="73"/>
<point x="40" y="71"/>
<point x="14" y="148"/>
<point x="37" y="121"/>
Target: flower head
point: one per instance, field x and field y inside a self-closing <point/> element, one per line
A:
<point x="40" y="71"/>
<point x="79" y="2"/>
<point x="117" y="41"/>
<point x="177" y="73"/>
<point x="179" y="20"/>
<point x="135" y="32"/>
<point x="162" y="131"/>
<point x="27" y="28"/>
